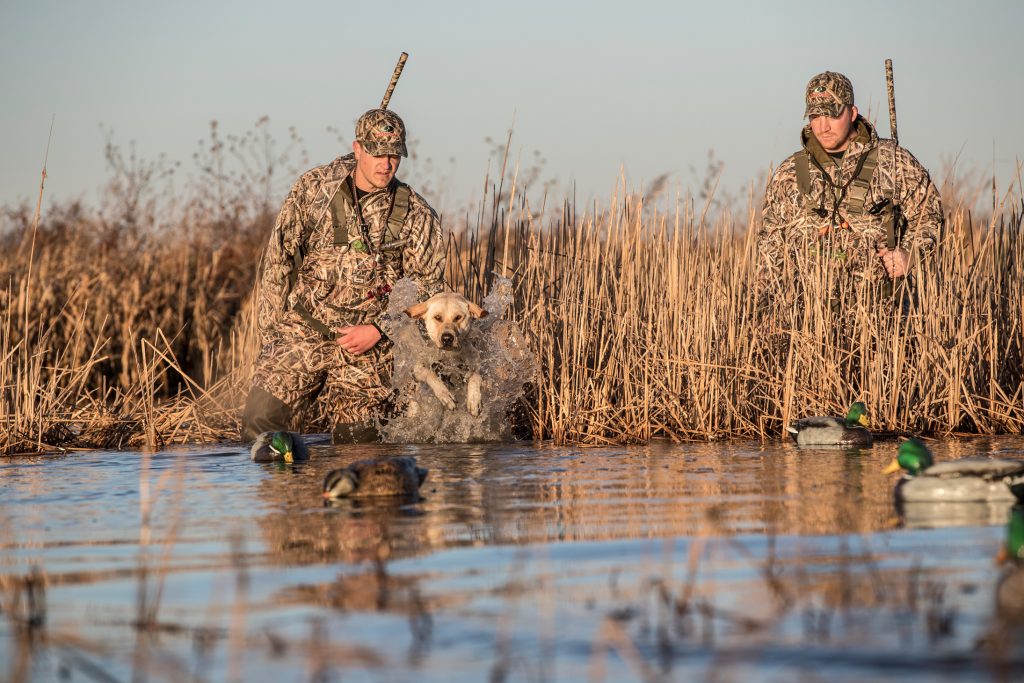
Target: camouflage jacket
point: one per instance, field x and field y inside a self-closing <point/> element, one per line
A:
<point x="338" y="284"/>
<point x="790" y="229"/>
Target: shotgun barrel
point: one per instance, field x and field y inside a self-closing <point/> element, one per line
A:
<point x="398" y="72"/>
<point x="890" y="86"/>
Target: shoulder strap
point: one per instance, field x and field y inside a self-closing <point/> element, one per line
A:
<point x="858" y="191"/>
<point x="316" y="325"/>
<point x="298" y="256"/>
<point x="341" y="212"/>
<point x="398" y="212"/>
<point x="341" y="207"/>
<point x="802" y="166"/>
<point x="803" y="172"/>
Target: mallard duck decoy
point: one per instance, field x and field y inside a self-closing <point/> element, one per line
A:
<point x="1010" y="589"/>
<point x="388" y="476"/>
<point x="966" y="480"/>
<point x="833" y="431"/>
<point x="279" y="447"/>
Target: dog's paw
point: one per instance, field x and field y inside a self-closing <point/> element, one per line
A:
<point x="473" y="403"/>
<point x="473" y="395"/>
<point x="412" y="409"/>
<point x="446" y="398"/>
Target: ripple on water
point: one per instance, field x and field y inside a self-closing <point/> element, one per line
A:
<point x="736" y="559"/>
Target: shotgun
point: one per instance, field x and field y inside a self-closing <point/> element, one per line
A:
<point x="401" y="65"/>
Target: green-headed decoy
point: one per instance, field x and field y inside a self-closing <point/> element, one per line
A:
<point x="834" y="431"/>
<point x="1010" y="589"/>
<point x="279" y="447"/>
<point x="966" y="480"/>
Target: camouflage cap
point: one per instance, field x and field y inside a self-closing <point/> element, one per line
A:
<point x="381" y="132"/>
<point x="827" y="94"/>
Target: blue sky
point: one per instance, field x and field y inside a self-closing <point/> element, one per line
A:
<point x="598" y="87"/>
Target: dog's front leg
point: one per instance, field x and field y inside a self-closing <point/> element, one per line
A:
<point x="473" y="394"/>
<point x="424" y="375"/>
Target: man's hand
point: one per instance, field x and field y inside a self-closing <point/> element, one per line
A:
<point x="358" y="339"/>
<point x="896" y="262"/>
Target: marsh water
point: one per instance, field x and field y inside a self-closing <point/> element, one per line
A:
<point x="522" y="562"/>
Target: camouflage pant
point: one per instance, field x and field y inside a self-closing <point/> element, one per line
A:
<point x="318" y="378"/>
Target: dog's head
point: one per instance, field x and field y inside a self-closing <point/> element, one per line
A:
<point x="446" y="316"/>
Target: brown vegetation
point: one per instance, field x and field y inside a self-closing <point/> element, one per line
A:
<point x="122" y="329"/>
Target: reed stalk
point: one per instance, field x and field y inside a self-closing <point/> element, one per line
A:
<point x="647" y="316"/>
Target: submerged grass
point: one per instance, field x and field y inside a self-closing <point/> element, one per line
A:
<point x="647" y="316"/>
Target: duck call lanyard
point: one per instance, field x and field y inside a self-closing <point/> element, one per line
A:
<point x="838" y="195"/>
<point x="364" y="229"/>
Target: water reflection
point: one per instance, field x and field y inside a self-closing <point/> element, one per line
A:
<point x="725" y="559"/>
<point x="935" y="515"/>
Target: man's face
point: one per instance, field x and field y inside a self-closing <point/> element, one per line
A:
<point x="835" y="134"/>
<point x="374" y="173"/>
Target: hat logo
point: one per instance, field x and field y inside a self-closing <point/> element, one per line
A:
<point x="823" y="92"/>
<point x="386" y="132"/>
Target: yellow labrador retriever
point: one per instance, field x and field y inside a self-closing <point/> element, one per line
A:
<point x="447" y="317"/>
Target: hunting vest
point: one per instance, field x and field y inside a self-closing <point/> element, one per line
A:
<point x="343" y="213"/>
<point x="855" y="193"/>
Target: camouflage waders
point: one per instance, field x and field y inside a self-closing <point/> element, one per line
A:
<point x="301" y="370"/>
<point x="323" y="270"/>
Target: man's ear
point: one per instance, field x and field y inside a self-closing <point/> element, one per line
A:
<point x="476" y="311"/>
<point x="854" y="112"/>
<point x="357" y="148"/>
<point x="417" y="310"/>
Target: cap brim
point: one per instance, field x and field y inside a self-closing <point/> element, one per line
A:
<point x="829" y="109"/>
<point x="380" y="149"/>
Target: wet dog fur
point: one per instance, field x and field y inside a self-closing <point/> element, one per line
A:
<point x="447" y="317"/>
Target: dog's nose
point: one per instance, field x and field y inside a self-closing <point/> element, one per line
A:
<point x="447" y="339"/>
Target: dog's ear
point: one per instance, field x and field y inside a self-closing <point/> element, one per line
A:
<point x="476" y="311"/>
<point x="417" y="310"/>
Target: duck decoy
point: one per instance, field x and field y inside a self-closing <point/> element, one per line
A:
<point x="966" y="480"/>
<point x="387" y="476"/>
<point x="279" y="447"/>
<point x="1010" y="589"/>
<point x="834" y="431"/>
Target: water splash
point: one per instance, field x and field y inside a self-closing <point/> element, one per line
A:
<point x="493" y="347"/>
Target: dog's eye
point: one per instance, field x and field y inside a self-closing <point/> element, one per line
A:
<point x="438" y="317"/>
<point x="458" y="318"/>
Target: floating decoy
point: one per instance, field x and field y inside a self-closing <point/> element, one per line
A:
<point x="388" y="476"/>
<point x="834" y="431"/>
<point x="279" y="447"/>
<point x="1010" y="589"/>
<point x="966" y="480"/>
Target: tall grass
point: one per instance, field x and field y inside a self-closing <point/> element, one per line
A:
<point x="653" y="322"/>
<point x="647" y="316"/>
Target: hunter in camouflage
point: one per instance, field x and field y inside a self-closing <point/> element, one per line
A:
<point x="860" y="200"/>
<point x="347" y="231"/>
